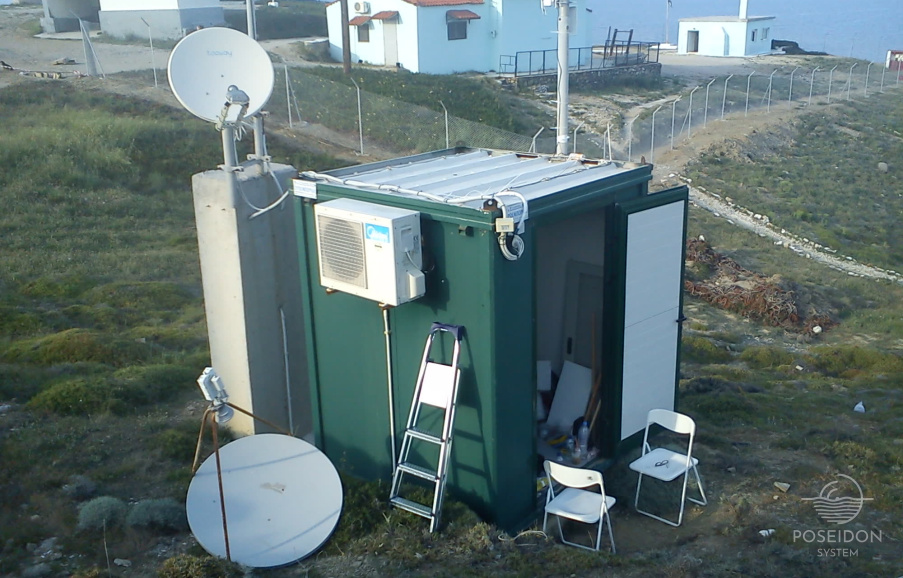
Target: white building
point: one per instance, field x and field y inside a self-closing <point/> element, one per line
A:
<point x="739" y="35"/>
<point x="168" y="19"/>
<point x="448" y="36"/>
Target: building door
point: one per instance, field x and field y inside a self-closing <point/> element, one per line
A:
<point x="693" y="41"/>
<point x="583" y="313"/>
<point x="643" y="306"/>
<point x="390" y="39"/>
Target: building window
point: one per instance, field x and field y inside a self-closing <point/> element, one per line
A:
<point x="363" y="33"/>
<point x="753" y="38"/>
<point x="765" y="33"/>
<point x="457" y="30"/>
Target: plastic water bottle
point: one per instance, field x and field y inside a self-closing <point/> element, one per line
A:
<point x="583" y="439"/>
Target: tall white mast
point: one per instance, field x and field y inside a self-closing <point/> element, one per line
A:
<point x="561" y="140"/>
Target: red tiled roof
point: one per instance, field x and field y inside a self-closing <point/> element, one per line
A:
<point x="359" y="20"/>
<point x="461" y="15"/>
<point x="385" y="15"/>
<point x="442" y="2"/>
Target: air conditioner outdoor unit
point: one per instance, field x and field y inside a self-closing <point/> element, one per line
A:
<point x="369" y="250"/>
<point x="362" y="7"/>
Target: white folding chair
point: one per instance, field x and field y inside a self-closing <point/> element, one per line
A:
<point x="667" y="465"/>
<point x="575" y="502"/>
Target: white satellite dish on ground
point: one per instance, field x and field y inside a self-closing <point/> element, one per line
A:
<point x="283" y="498"/>
<point x="204" y="64"/>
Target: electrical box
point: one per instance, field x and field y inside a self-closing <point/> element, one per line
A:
<point x="370" y="250"/>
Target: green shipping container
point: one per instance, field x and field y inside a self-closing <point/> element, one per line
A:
<point x="598" y="284"/>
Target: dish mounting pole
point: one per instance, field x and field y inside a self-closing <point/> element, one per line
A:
<point x="260" y="142"/>
<point x="561" y="140"/>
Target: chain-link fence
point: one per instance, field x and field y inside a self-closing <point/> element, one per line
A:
<point x="377" y="125"/>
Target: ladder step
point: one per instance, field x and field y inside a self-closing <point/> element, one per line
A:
<point x="423" y="435"/>
<point x="418" y="471"/>
<point x="412" y="507"/>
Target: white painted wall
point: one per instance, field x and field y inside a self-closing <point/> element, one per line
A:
<point x="728" y="37"/>
<point x="113" y="5"/>
<point x="505" y="27"/>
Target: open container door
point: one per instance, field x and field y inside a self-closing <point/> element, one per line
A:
<point x="647" y="239"/>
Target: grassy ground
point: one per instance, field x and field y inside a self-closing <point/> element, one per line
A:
<point x="102" y="333"/>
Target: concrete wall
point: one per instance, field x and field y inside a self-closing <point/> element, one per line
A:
<point x="250" y="275"/>
<point x="439" y="55"/>
<point x="594" y="78"/>
<point x="63" y="15"/>
<point x="165" y="24"/>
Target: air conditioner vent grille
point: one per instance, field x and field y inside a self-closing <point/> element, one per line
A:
<point x="342" y="250"/>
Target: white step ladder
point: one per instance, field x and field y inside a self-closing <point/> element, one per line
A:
<point x="437" y="386"/>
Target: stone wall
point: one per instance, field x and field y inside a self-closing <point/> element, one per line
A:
<point x="593" y="78"/>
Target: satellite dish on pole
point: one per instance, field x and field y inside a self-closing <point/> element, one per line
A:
<point x="204" y="64"/>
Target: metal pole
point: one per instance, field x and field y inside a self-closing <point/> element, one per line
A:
<point x="446" y="123"/>
<point x="883" y="72"/>
<point x="561" y="140"/>
<point x="673" y="113"/>
<point x="850" y="80"/>
<point x="630" y="140"/>
<point x="652" y="144"/>
<point x="150" y="37"/>
<point x="252" y="20"/>
<point x="533" y="144"/>
<point x="812" y="83"/>
<point x="705" y="114"/>
<point x="790" y="98"/>
<point x="690" y="118"/>
<point x="830" y="82"/>
<point x="868" y="71"/>
<point x="360" y="118"/>
<point x="724" y="98"/>
<point x="288" y="97"/>
<point x="667" y="20"/>
<point x="770" y="84"/>
<point x="748" y="80"/>
<point x="575" y="137"/>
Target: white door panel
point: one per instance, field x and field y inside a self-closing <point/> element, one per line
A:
<point x="655" y="239"/>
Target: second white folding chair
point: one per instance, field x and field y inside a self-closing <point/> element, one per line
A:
<point x="667" y="465"/>
<point x="577" y="503"/>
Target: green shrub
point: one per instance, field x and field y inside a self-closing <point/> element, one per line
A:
<point x="163" y="514"/>
<point x="140" y="385"/>
<point x="77" y="345"/>
<point x="148" y="295"/>
<point x="701" y="350"/>
<point x="99" y="513"/>
<point x="765" y="356"/>
<point x="188" y="566"/>
<point x="850" y="361"/>
<point x="75" y="397"/>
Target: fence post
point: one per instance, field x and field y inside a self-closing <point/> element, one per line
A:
<point x="790" y="98"/>
<point x="690" y="119"/>
<point x="830" y="82"/>
<point x="575" y="136"/>
<point x="748" y="80"/>
<point x="673" y="112"/>
<point x="533" y="145"/>
<point x="724" y="97"/>
<point x="883" y="72"/>
<point x="652" y="145"/>
<point x="850" y="80"/>
<point x="288" y="96"/>
<point x="630" y="139"/>
<point x="446" y="123"/>
<point x="150" y="37"/>
<point x="770" y="84"/>
<point x="811" y="84"/>
<point x="868" y="71"/>
<point x="360" y="117"/>
<point x="705" y="114"/>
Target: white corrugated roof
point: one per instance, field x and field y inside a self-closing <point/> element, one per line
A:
<point x="466" y="178"/>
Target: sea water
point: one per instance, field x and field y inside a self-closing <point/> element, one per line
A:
<point x="864" y="29"/>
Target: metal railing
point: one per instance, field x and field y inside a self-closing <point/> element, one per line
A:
<point x="609" y="55"/>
